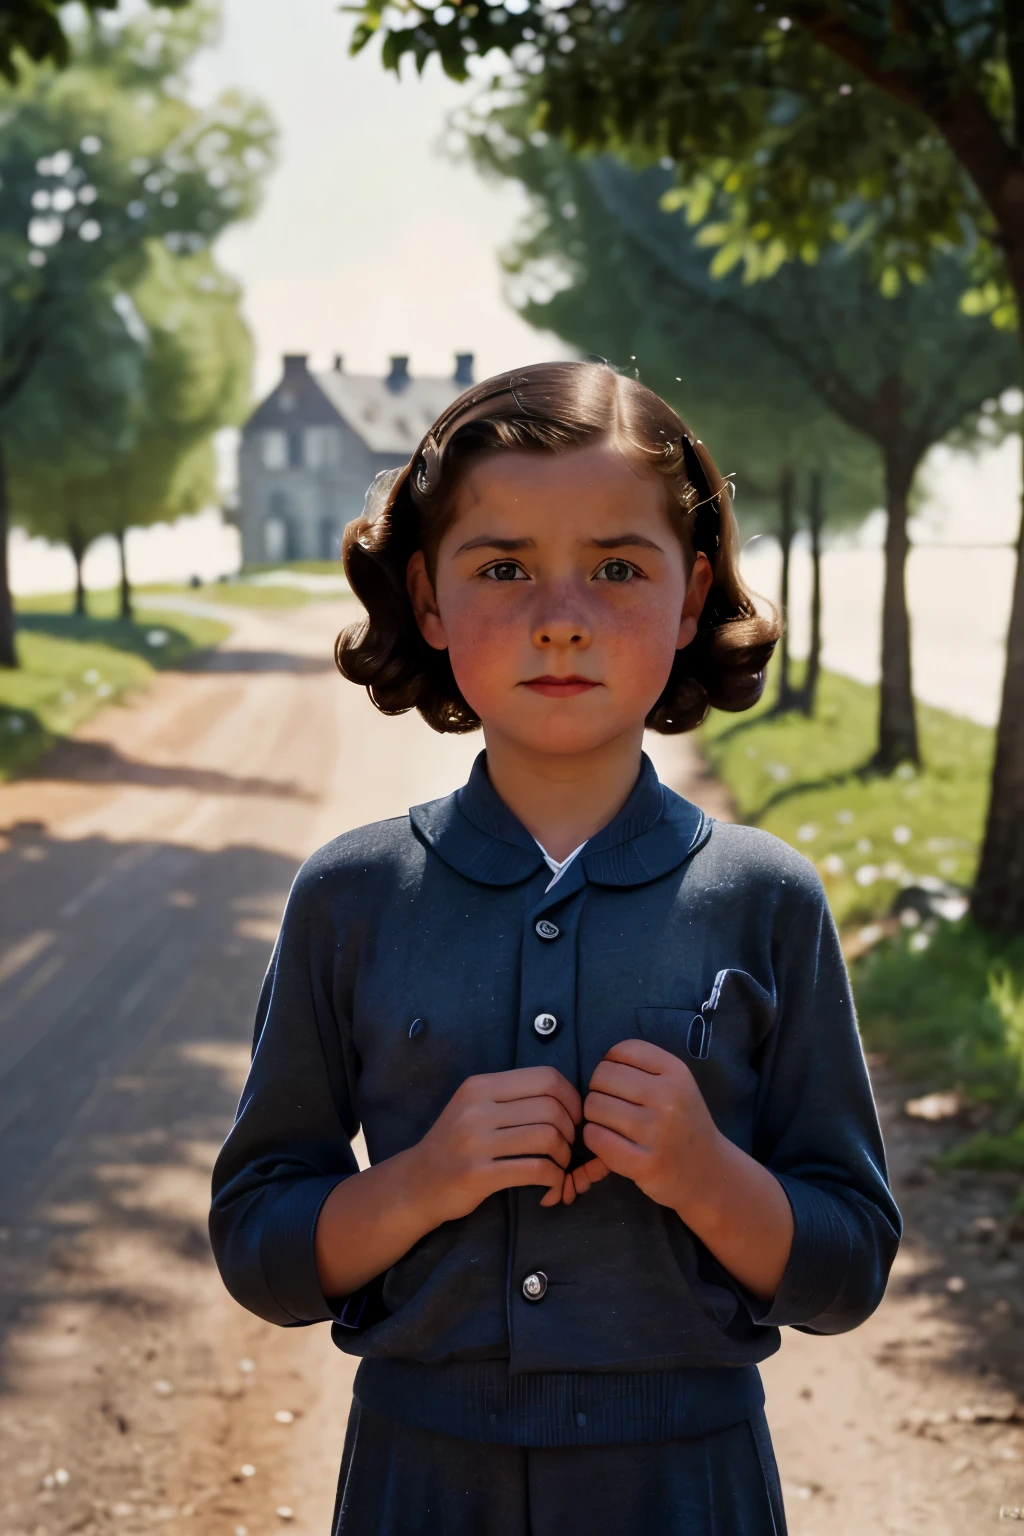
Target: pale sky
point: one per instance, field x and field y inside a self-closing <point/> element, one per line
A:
<point x="370" y="241"/>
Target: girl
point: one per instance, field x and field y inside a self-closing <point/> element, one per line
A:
<point x="602" y="1049"/>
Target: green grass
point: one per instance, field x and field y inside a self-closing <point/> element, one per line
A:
<point x="71" y="667"/>
<point x="242" y="594"/>
<point x="867" y="833"/>
<point x="246" y="594"/>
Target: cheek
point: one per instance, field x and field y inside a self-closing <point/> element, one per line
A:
<point x="639" y="639"/>
<point x="485" y="641"/>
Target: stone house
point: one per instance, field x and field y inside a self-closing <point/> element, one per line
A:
<point x="311" y="449"/>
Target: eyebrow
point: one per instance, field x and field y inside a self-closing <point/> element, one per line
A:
<point x="490" y="541"/>
<point x="510" y="546"/>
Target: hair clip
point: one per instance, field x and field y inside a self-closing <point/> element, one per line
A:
<point x="428" y="470"/>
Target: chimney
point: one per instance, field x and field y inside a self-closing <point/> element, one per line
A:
<point x="295" y="364"/>
<point x="339" y="363"/>
<point x="398" y="378"/>
<point x="463" y="369"/>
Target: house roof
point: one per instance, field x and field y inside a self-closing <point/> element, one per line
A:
<point x="388" y="419"/>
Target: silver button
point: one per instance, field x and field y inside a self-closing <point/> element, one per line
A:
<point x="545" y="1024"/>
<point x="546" y="930"/>
<point x="535" y="1285"/>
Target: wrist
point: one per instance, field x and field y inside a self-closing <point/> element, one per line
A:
<point x="703" y="1195"/>
<point x="423" y="1190"/>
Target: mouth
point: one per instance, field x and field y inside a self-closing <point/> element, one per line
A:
<point x="560" y="687"/>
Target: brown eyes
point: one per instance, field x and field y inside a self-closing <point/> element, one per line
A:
<point x="506" y="570"/>
<point x="617" y="571"/>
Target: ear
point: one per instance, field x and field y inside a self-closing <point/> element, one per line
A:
<point x="424" y="603"/>
<point x="697" y="589"/>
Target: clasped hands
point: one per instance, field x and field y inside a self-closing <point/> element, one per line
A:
<point x="643" y="1118"/>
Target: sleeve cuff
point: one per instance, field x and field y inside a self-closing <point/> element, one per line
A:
<point x="819" y="1260"/>
<point x="288" y="1251"/>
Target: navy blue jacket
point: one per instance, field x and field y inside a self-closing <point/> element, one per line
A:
<point x="417" y="952"/>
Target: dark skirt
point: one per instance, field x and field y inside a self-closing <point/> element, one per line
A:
<point x="399" y="1481"/>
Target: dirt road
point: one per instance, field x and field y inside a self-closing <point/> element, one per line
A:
<point x="142" y="873"/>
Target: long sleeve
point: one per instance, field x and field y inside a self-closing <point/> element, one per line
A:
<point x="816" y="1128"/>
<point x="291" y="1140"/>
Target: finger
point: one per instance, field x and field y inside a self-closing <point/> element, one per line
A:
<point x="534" y="1082"/>
<point x="518" y="1172"/>
<point x="618" y="1153"/>
<point x="621" y="1082"/>
<point x="642" y="1055"/>
<point x="630" y="1120"/>
<point x="535" y="1111"/>
<point x="569" y="1190"/>
<point x="588" y="1174"/>
<point x="531" y="1141"/>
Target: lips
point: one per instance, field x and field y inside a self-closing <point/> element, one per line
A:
<point x="560" y="687"/>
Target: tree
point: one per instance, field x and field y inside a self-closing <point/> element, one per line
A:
<point x="96" y="162"/>
<point x="193" y="363"/>
<point x="87" y="385"/>
<point x="36" y="29"/>
<point x="899" y="123"/>
<point x="902" y="371"/>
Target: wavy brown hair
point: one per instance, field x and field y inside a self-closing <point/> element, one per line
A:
<point x="548" y="408"/>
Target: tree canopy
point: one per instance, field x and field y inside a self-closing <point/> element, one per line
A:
<point x="100" y="163"/>
<point x="900" y="125"/>
<point x="35" y="29"/>
<point x="190" y="353"/>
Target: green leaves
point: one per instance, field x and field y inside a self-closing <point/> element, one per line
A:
<point x="816" y="120"/>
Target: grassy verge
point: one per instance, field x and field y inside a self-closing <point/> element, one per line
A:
<point x="868" y="835"/>
<point x="242" y="594"/>
<point x="942" y="1000"/>
<point x="71" y="667"/>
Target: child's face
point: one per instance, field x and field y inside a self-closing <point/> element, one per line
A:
<point x="561" y="594"/>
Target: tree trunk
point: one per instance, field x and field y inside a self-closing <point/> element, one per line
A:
<point x="77" y="546"/>
<point x="8" y="651"/>
<point x="126" y="591"/>
<point x="815" y="519"/>
<point x="998" y="900"/>
<point x="787" y="698"/>
<point x="897" y="722"/>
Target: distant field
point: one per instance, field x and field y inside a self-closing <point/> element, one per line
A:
<point x="71" y="667"/>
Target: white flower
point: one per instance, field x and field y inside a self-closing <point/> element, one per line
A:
<point x="807" y="833"/>
<point x="832" y="864"/>
<point x="866" y="875"/>
<point x="901" y="834"/>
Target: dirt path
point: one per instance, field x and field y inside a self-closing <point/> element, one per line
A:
<point x="142" y="873"/>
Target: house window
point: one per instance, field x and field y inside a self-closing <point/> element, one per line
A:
<point x="274" y="450"/>
<point x="330" y="539"/>
<point x="322" y="447"/>
<point x="295" y="450"/>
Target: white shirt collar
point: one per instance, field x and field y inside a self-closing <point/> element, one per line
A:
<point x="557" y="868"/>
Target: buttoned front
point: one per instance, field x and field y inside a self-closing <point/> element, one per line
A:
<point x="444" y="919"/>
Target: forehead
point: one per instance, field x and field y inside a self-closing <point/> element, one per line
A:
<point x="583" y="488"/>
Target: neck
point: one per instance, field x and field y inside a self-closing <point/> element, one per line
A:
<point x="563" y="801"/>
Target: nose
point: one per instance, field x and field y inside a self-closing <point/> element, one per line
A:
<point x="562" y="630"/>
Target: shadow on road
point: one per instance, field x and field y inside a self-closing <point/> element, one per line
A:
<point x="129" y="975"/>
<point x="74" y="760"/>
<point x="265" y="661"/>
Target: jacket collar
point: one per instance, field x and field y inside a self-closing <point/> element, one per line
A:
<point x="475" y="833"/>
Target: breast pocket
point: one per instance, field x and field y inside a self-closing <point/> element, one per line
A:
<point x="720" y="1043"/>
